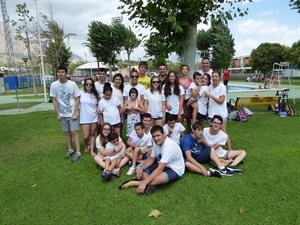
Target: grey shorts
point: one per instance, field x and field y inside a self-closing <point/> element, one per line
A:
<point x="68" y="124"/>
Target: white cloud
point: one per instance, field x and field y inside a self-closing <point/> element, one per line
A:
<point x="251" y="33"/>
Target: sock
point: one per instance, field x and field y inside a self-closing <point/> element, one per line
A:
<point x="222" y="167"/>
<point x="133" y="166"/>
<point x="71" y="150"/>
<point x="208" y="172"/>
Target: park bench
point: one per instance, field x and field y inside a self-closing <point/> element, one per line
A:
<point x="254" y="100"/>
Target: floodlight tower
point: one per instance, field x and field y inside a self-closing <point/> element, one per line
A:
<point x="7" y="34"/>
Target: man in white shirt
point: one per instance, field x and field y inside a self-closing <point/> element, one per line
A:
<point x="102" y="80"/>
<point x="216" y="138"/>
<point x="164" y="165"/>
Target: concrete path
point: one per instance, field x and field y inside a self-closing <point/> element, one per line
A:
<point x="43" y="106"/>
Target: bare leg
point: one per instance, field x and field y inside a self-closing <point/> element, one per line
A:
<point x="76" y="140"/>
<point x="237" y="156"/>
<point x="86" y="135"/>
<point x="99" y="160"/>
<point x="69" y="139"/>
<point x="92" y="135"/>
<point x="195" y="111"/>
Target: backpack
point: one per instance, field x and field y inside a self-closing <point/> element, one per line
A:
<point x="241" y="116"/>
<point x="247" y="111"/>
<point x="232" y="115"/>
<point x="290" y="110"/>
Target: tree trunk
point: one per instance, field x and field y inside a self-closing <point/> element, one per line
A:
<point x="129" y="66"/>
<point x="189" y="48"/>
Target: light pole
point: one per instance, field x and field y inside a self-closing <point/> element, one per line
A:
<point x="41" y="50"/>
<point x="25" y="59"/>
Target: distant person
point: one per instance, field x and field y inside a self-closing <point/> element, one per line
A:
<point x="65" y="94"/>
<point x="101" y="81"/>
<point x="226" y="77"/>
<point x="164" y="166"/>
<point x="163" y="72"/>
<point x="174" y="130"/>
<point x="205" y="66"/>
<point x="144" y="79"/>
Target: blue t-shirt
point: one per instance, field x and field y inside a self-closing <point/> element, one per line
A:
<point x="189" y="143"/>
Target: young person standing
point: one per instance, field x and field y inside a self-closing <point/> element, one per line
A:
<point x="65" y="94"/>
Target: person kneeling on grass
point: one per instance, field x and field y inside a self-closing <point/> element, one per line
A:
<point x="195" y="150"/>
<point x="215" y="138"/>
<point x="163" y="166"/>
<point x="113" y="159"/>
<point x="140" y="147"/>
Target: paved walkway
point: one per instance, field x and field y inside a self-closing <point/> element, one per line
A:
<point x="43" y="106"/>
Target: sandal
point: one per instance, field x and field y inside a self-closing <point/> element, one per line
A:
<point x="127" y="184"/>
<point x="88" y="149"/>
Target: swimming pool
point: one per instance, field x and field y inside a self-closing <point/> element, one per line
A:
<point x="240" y="88"/>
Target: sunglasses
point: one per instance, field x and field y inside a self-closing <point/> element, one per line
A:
<point x="115" y="141"/>
<point x="134" y="76"/>
<point x="89" y="84"/>
<point x="155" y="82"/>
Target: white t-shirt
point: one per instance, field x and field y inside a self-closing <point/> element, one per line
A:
<point x="169" y="153"/>
<point x="209" y="72"/>
<point x="155" y="103"/>
<point x="133" y="134"/>
<point x="110" y="145"/>
<point x="175" y="136"/>
<point x="213" y="107"/>
<point x="99" y="88"/>
<point x="188" y="93"/>
<point x="174" y="101"/>
<point x="143" y="142"/>
<point x="88" y="107"/>
<point x="117" y="93"/>
<point x="202" y="100"/>
<point x="220" y="138"/>
<point x="111" y="113"/>
<point x="140" y="88"/>
<point x="100" y="145"/>
<point x="65" y="94"/>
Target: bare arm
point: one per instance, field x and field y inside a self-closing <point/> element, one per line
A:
<point x="55" y="104"/>
<point x="74" y="116"/>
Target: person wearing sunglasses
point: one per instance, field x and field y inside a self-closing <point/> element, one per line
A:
<point x="133" y="83"/>
<point x="89" y="99"/>
<point x="155" y="102"/>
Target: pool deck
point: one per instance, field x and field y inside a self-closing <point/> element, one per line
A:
<point x="293" y="93"/>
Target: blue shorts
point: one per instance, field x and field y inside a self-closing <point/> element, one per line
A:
<point x="203" y="156"/>
<point x="118" y="125"/>
<point x="171" y="175"/>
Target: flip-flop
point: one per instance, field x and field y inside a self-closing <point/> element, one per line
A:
<point x="127" y="184"/>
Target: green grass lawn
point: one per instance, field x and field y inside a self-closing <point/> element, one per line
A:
<point x="38" y="186"/>
<point x="23" y="105"/>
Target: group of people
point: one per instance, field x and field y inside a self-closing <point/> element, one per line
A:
<point x="154" y="109"/>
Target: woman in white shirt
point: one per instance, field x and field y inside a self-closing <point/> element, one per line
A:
<point x="155" y="102"/>
<point x="174" y="94"/>
<point x="88" y="113"/>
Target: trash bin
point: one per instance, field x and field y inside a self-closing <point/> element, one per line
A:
<point x="48" y="91"/>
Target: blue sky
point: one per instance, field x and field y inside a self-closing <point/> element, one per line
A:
<point x="268" y="21"/>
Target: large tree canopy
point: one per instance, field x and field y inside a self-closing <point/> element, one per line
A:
<point x="175" y="22"/>
<point x="265" y="55"/>
<point x="295" y="4"/>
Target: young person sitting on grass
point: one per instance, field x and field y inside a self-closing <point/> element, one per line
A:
<point x="215" y="138"/>
<point x="174" y="130"/>
<point x="196" y="152"/>
<point x="140" y="147"/>
<point x="113" y="158"/>
<point x="165" y="164"/>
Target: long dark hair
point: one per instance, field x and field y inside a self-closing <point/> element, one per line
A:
<point x="122" y="81"/>
<point x="167" y="88"/>
<point x="103" y="140"/>
<point x="93" y="89"/>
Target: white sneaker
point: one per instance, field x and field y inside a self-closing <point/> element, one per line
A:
<point x="130" y="171"/>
